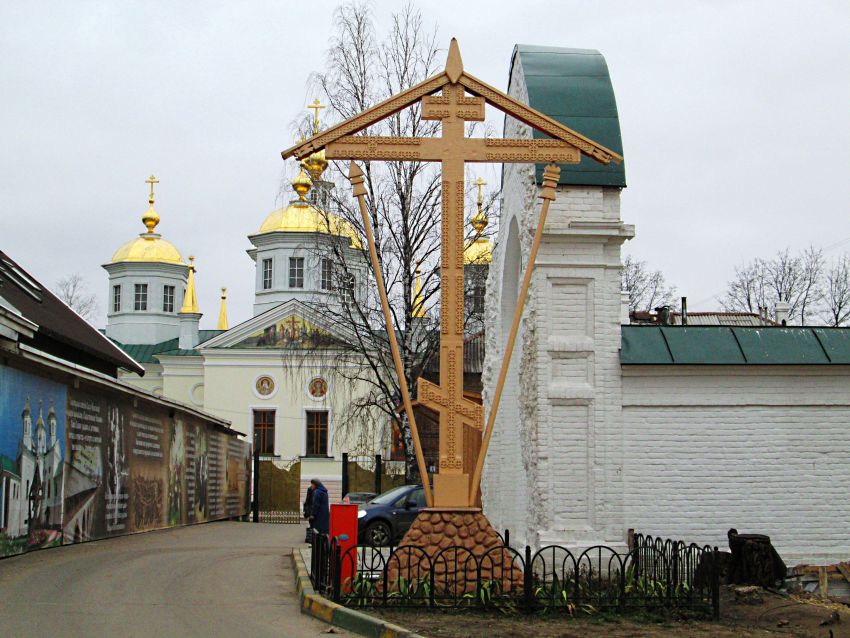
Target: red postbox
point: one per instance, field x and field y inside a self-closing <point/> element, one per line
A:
<point x="344" y="529"/>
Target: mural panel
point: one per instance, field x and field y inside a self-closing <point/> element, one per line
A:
<point x="84" y="463"/>
<point x="32" y="449"/>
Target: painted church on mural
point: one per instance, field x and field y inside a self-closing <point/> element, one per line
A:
<point x="683" y="428"/>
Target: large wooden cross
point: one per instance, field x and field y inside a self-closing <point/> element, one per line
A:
<point x="454" y="97"/>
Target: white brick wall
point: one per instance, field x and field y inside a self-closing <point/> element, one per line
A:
<point x="554" y="472"/>
<point x="585" y="448"/>
<point x="763" y="450"/>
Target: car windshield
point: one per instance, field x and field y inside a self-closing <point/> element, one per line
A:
<point x="390" y="497"/>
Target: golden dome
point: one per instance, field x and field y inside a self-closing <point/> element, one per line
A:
<point x="149" y="246"/>
<point x="478" y="252"/>
<point x="301" y="217"/>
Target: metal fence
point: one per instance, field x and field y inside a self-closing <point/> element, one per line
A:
<point x="656" y="575"/>
<point x="281" y="516"/>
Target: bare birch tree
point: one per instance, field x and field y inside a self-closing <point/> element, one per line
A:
<point x="835" y="309"/>
<point x="648" y="289"/>
<point x="73" y="291"/>
<point x="795" y="279"/>
<point x="404" y="209"/>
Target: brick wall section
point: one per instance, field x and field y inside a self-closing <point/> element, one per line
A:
<point x="760" y="449"/>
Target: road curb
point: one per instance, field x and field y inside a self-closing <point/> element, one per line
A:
<point x="328" y="611"/>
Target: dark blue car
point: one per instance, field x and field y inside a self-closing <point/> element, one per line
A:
<point x="385" y="519"/>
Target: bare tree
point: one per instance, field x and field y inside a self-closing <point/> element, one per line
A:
<point x="835" y="310"/>
<point x="795" y="279"/>
<point x="404" y="209"/>
<point x="647" y="289"/>
<point x="73" y="291"/>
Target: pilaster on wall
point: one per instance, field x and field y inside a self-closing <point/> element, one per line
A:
<point x="579" y="413"/>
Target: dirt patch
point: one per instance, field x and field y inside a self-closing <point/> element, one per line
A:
<point x="741" y="617"/>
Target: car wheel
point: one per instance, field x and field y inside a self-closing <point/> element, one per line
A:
<point x="378" y="534"/>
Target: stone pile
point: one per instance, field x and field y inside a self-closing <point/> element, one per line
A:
<point x="455" y="543"/>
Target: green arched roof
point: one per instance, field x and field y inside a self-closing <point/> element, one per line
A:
<point x="573" y="87"/>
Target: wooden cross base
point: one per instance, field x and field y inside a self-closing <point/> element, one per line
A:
<point x="455" y="542"/>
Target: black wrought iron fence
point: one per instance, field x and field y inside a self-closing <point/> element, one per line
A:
<point x="655" y="575"/>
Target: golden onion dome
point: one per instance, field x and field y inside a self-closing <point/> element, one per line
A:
<point x="480" y="250"/>
<point x="301" y="217"/>
<point x="149" y="246"/>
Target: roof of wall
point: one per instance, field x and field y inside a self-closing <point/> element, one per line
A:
<point x="721" y="345"/>
<point x="573" y="86"/>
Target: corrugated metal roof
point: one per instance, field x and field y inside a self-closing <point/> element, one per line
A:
<point x="722" y="319"/>
<point x="573" y="86"/>
<point x="144" y="352"/>
<point x="721" y="345"/>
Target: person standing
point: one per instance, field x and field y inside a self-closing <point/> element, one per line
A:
<point x="307" y="510"/>
<point x="320" y="517"/>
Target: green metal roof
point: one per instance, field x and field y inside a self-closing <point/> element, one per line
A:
<point x="573" y="86"/>
<point x="144" y="352"/>
<point x="8" y="465"/>
<point x="721" y="345"/>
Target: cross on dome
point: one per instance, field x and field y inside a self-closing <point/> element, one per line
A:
<point x="150" y="219"/>
<point x="151" y="180"/>
<point x="315" y="106"/>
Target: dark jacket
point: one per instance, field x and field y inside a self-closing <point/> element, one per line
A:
<point x="320" y="513"/>
<point x="308" y="503"/>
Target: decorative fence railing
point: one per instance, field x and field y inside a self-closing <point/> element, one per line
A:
<point x="281" y="516"/>
<point x="656" y="575"/>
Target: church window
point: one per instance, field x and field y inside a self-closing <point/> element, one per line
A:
<point x="327" y="274"/>
<point x="317" y="433"/>
<point x="347" y="290"/>
<point x="296" y="272"/>
<point x="478" y="299"/>
<point x="267" y="274"/>
<point x="116" y="298"/>
<point x="264" y="431"/>
<point x="168" y="298"/>
<point x="141" y="298"/>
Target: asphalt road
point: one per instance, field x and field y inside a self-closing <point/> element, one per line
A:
<point x="217" y="579"/>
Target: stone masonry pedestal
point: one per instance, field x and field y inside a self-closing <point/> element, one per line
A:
<point x="456" y="543"/>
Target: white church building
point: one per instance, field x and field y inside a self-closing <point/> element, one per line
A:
<point x="678" y="431"/>
<point x="276" y="377"/>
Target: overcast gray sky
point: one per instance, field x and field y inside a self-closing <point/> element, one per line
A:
<point x="734" y="118"/>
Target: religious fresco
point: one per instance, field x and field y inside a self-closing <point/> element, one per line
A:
<point x="32" y="449"/>
<point x="292" y="332"/>
<point x="84" y="463"/>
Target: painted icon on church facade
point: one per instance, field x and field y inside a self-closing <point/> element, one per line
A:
<point x="318" y="388"/>
<point x="265" y="386"/>
<point x="292" y="332"/>
<point x="32" y="449"/>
